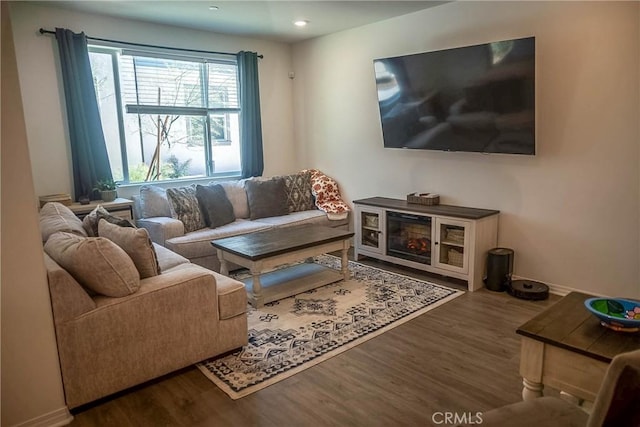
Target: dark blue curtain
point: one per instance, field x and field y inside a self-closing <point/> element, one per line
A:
<point x="251" y="157"/>
<point x="88" y="150"/>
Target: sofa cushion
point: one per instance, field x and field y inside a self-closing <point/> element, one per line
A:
<point x="315" y="217"/>
<point x="136" y="243"/>
<point x="95" y="262"/>
<point x="167" y="259"/>
<point x="216" y="207"/>
<point x="298" y="190"/>
<point x="185" y="207"/>
<point x="198" y="243"/>
<point x="266" y="198"/>
<point x="56" y="217"/>
<point x="68" y="298"/>
<point x="154" y="202"/>
<point x="90" y="222"/>
<point x="237" y="195"/>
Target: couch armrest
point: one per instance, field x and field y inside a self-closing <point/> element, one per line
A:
<point x="171" y="322"/>
<point x="68" y="297"/>
<point x="162" y="228"/>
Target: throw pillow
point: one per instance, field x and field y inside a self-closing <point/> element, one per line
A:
<point x="95" y="262"/>
<point x="298" y="189"/>
<point x="237" y="195"/>
<point x="216" y="207"/>
<point x="185" y="208"/>
<point x="136" y="243"/>
<point x="154" y="202"/>
<point x="56" y="217"/>
<point x="266" y="198"/>
<point x="90" y="222"/>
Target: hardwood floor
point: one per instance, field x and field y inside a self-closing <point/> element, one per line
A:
<point x="460" y="357"/>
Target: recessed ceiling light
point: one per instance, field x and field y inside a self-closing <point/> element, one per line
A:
<point x="214" y="8"/>
<point x="301" y="23"/>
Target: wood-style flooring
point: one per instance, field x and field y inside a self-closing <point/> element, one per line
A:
<point x="460" y="357"/>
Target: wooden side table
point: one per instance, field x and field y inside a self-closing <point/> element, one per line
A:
<point x="119" y="207"/>
<point x="565" y="347"/>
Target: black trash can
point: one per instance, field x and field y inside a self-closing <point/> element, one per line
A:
<point x="499" y="269"/>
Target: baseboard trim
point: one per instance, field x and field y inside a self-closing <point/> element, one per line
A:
<point x="560" y="290"/>
<point x="59" y="417"/>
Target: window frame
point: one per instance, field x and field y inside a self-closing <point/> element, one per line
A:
<point x="114" y="50"/>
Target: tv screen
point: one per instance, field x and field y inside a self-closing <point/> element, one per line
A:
<point x="476" y="98"/>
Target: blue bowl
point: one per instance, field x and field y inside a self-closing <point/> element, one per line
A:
<point x="616" y="313"/>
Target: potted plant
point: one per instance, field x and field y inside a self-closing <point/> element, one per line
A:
<point x="107" y="189"/>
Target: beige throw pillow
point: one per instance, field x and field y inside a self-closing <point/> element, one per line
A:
<point x="237" y="195"/>
<point x="56" y="217"/>
<point x="95" y="262"/>
<point x="136" y="243"/>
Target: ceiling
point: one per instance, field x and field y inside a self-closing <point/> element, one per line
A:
<point x="272" y="20"/>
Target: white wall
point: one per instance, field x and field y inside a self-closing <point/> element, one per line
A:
<point x="43" y="93"/>
<point x="571" y="213"/>
<point x="31" y="383"/>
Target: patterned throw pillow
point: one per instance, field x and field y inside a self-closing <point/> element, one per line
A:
<point x="90" y="222"/>
<point x="298" y="189"/>
<point x="185" y="207"/>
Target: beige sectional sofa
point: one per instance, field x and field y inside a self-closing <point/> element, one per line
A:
<point x="153" y="211"/>
<point x="178" y="314"/>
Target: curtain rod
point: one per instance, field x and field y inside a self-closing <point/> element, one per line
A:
<point x="43" y="31"/>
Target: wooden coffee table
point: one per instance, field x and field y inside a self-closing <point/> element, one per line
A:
<point x="264" y="250"/>
<point x="565" y="347"/>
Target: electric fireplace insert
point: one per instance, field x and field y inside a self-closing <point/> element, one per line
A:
<point x="409" y="236"/>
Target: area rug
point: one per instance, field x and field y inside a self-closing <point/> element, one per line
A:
<point x="296" y="333"/>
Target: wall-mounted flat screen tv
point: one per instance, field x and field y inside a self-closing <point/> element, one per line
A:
<point x="476" y="98"/>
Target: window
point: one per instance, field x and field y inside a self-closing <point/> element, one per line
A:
<point x="167" y="116"/>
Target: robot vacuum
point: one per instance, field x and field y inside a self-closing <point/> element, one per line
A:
<point x="528" y="289"/>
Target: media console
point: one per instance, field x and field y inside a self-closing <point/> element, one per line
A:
<point x="449" y="240"/>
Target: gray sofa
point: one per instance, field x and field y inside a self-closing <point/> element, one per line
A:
<point x="153" y="211"/>
<point x="117" y="324"/>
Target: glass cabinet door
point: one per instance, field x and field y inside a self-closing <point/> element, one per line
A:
<point x="370" y="230"/>
<point x="452" y="245"/>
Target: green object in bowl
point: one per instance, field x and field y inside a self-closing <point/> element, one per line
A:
<point x="608" y="306"/>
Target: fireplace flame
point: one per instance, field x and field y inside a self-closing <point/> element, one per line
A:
<point x="419" y="246"/>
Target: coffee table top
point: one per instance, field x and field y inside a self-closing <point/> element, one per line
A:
<point x="568" y="324"/>
<point x="264" y="244"/>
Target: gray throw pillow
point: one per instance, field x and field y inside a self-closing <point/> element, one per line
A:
<point x="154" y="202"/>
<point x="266" y="198"/>
<point x="185" y="207"/>
<point x="298" y="189"/>
<point x="216" y="207"/>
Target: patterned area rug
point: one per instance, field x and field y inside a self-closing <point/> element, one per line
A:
<point x="296" y="333"/>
